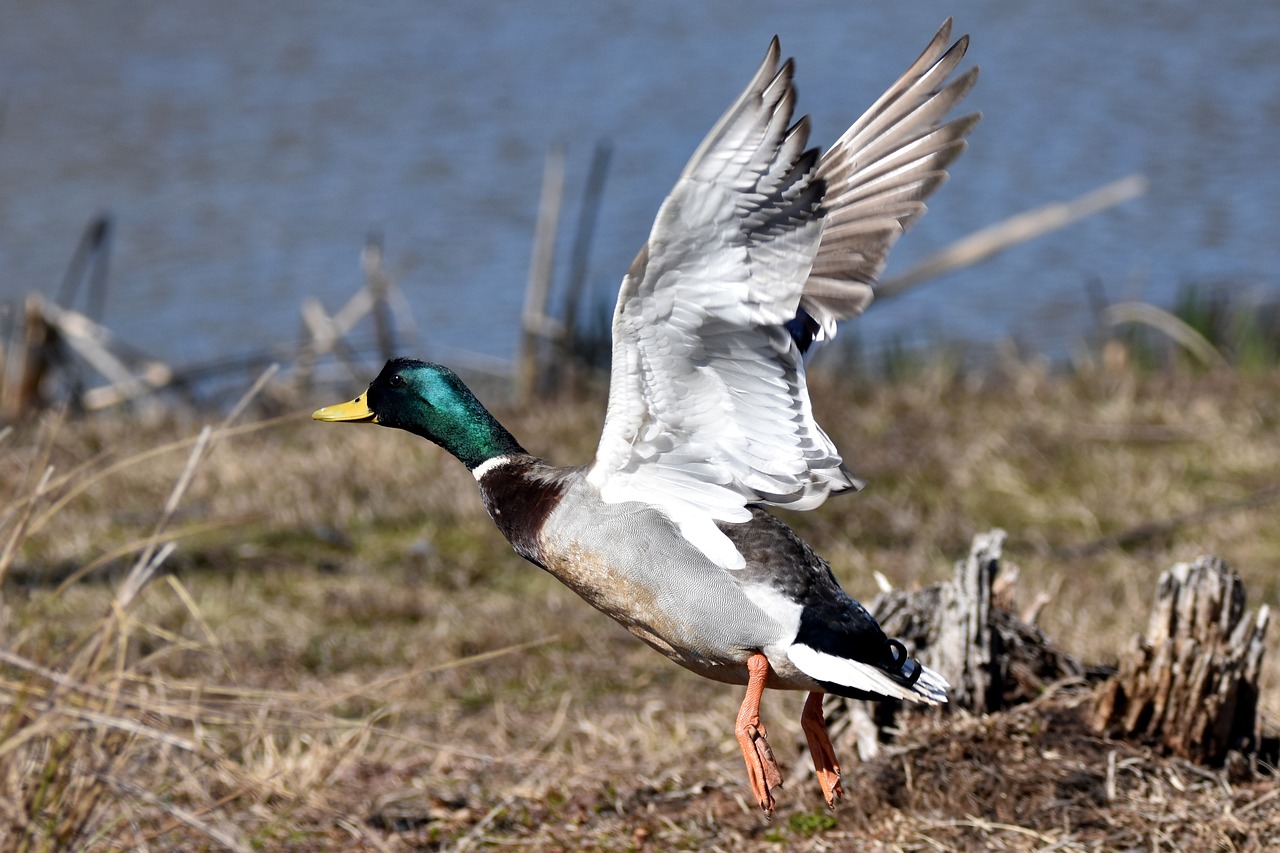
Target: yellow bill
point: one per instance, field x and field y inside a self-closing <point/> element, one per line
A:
<point x="355" y="411"/>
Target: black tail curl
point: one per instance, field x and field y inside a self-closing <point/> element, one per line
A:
<point x="909" y="669"/>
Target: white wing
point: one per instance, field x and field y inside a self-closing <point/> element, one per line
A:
<point x="708" y="407"/>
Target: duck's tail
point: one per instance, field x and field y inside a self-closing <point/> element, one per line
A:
<point x="898" y="677"/>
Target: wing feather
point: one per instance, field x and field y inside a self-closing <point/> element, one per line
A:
<point x="709" y="410"/>
<point x="878" y="174"/>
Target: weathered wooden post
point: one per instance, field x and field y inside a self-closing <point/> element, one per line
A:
<point x="535" y="324"/>
<point x="38" y="353"/>
<point x="1191" y="685"/>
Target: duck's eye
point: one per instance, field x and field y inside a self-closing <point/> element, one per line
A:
<point x="396" y="380"/>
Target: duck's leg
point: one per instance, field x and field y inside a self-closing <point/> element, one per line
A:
<point x="824" y="757"/>
<point x="762" y="768"/>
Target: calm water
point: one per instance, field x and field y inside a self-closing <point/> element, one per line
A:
<point x="247" y="148"/>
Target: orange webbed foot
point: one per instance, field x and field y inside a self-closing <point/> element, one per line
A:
<point x="825" y="765"/>
<point x="762" y="767"/>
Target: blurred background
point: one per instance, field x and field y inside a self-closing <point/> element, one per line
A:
<point x="245" y="151"/>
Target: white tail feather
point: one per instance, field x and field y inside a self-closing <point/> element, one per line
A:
<point x="930" y="688"/>
<point x="931" y="685"/>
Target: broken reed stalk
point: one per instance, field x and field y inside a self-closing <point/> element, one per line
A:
<point x="378" y="283"/>
<point x="536" y="326"/>
<point x="580" y="254"/>
<point x="1019" y="228"/>
<point x="1171" y="326"/>
<point x="1191" y="685"/>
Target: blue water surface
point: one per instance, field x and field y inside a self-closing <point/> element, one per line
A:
<point x="246" y="149"/>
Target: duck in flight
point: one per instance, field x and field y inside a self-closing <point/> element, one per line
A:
<point x="763" y="245"/>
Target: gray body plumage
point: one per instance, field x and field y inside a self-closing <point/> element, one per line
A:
<point x="631" y="562"/>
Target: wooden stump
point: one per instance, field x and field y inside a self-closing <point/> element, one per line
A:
<point x="968" y="650"/>
<point x="992" y="659"/>
<point x="1191" y="686"/>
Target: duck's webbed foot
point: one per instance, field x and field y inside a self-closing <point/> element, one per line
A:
<point x="762" y="767"/>
<point x="825" y="765"/>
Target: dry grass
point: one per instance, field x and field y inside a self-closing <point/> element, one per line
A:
<point x="341" y="653"/>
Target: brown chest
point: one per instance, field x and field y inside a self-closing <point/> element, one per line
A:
<point x="519" y="498"/>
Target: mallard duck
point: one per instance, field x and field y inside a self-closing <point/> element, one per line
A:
<point x="761" y="247"/>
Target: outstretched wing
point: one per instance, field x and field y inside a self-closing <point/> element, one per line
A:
<point x="878" y="175"/>
<point x="708" y="406"/>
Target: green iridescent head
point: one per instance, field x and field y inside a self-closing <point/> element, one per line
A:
<point x="431" y="401"/>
